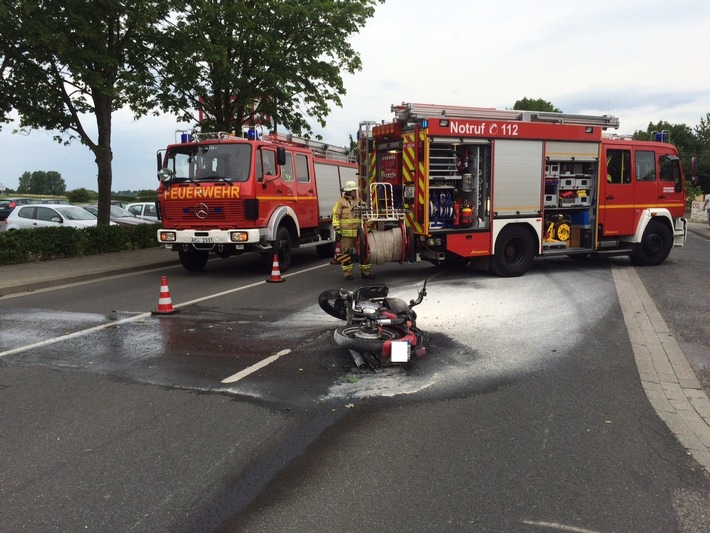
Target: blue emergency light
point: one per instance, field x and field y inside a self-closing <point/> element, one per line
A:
<point x="251" y="134"/>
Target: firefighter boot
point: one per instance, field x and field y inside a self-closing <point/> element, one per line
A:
<point x="347" y="262"/>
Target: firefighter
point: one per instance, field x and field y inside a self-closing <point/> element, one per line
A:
<point x="346" y="223"/>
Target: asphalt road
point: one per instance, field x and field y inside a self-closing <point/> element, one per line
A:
<point x="526" y="415"/>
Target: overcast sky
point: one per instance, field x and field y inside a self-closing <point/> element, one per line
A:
<point x="640" y="60"/>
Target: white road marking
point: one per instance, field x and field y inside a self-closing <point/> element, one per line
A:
<point x="253" y="368"/>
<point x="559" y="527"/>
<point x="139" y="317"/>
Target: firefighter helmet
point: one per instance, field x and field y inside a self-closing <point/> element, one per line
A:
<point x="349" y="186"/>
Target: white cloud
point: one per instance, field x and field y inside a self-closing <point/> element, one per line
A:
<point x="643" y="61"/>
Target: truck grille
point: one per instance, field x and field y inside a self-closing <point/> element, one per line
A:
<point x="217" y="213"/>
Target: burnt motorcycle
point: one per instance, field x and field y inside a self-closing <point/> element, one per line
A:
<point x="379" y="330"/>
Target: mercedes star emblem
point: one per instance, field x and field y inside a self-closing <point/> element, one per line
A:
<point x="201" y="210"/>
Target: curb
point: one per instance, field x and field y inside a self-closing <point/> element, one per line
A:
<point x="666" y="376"/>
<point x="68" y="279"/>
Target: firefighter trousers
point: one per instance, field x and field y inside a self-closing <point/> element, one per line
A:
<point x="345" y="258"/>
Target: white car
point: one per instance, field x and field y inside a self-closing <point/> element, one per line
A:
<point x="47" y="216"/>
<point x="144" y="210"/>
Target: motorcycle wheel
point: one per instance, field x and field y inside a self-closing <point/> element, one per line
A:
<point x="353" y="338"/>
<point x="331" y="302"/>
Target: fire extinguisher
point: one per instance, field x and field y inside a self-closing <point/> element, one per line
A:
<point x="457" y="214"/>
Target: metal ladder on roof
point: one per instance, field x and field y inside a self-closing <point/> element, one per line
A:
<point x="409" y="112"/>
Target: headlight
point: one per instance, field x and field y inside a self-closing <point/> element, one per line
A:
<point x="167" y="236"/>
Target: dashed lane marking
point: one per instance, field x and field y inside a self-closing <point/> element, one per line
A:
<point x="253" y="368"/>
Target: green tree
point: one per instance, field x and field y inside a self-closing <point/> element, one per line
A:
<point x="538" y="104"/>
<point x="681" y="136"/>
<point x="40" y="182"/>
<point x="702" y="134"/>
<point x="239" y="63"/>
<point x="79" y="196"/>
<point x="65" y="62"/>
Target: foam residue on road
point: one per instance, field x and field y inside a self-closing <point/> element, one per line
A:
<point x="486" y="329"/>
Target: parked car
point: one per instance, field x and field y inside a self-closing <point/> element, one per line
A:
<point x="45" y="215"/>
<point x="120" y="203"/>
<point x="144" y="210"/>
<point x="8" y="204"/>
<point x="120" y="216"/>
<point x="52" y="201"/>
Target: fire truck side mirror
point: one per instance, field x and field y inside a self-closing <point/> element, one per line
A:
<point x="280" y="156"/>
<point x="694" y="170"/>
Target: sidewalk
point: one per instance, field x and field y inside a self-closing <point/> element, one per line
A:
<point x="43" y="274"/>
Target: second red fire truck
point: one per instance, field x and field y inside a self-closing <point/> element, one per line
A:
<point x="224" y="194"/>
<point x="449" y="184"/>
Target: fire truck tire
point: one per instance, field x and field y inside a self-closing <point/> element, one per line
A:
<point x="514" y="252"/>
<point x="350" y="337"/>
<point x="655" y="245"/>
<point x="193" y="260"/>
<point x="283" y="247"/>
<point x="331" y="302"/>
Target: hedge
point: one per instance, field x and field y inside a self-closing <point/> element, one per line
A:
<point x="45" y="244"/>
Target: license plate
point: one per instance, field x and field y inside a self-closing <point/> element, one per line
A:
<point x="202" y="240"/>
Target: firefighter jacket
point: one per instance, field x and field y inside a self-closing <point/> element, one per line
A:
<point x="344" y="218"/>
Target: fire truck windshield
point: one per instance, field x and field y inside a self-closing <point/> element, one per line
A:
<point x="195" y="162"/>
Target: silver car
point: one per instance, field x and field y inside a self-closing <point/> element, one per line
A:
<point x="144" y="210"/>
<point x="47" y="216"/>
<point x="117" y="214"/>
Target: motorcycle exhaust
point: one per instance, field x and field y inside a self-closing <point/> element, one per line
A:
<point x="372" y="361"/>
<point x="358" y="359"/>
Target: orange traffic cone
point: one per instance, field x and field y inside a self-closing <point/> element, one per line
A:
<point x="275" y="271"/>
<point x="337" y="253"/>
<point x="165" y="305"/>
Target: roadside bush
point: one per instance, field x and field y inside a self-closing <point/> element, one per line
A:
<point x="45" y="244"/>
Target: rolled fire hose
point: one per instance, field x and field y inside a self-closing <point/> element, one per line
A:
<point x="385" y="246"/>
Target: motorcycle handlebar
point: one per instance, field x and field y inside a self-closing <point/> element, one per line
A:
<point x="422" y="294"/>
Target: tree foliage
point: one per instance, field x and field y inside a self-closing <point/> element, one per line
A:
<point x="691" y="143"/>
<point x="276" y="63"/>
<point x="65" y="63"/>
<point x="537" y="104"/>
<point x="79" y="196"/>
<point x="42" y="183"/>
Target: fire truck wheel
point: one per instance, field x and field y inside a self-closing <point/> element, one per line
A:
<point x="283" y="248"/>
<point x="514" y="252"/>
<point x="655" y="245"/>
<point x="354" y="338"/>
<point x="194" y="260"/>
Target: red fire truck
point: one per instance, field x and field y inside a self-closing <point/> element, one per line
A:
<point x="449" y="184"/>
<point x="229" y="195"/>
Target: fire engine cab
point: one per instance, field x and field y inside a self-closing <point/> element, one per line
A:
<point x="450" y="184"/>
<point x="229" y="195"/>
